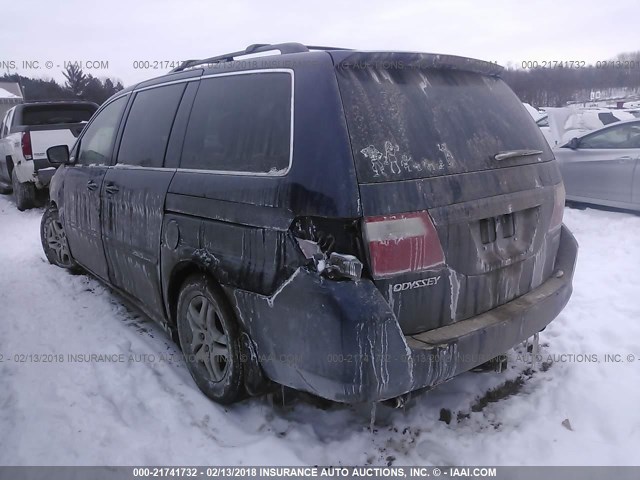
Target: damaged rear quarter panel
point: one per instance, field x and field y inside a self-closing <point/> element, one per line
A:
<point x="337" y="339"/>
<point x="247" y="256"/>
<point x="236" y="227"/>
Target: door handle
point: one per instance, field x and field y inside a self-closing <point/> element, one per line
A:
<point x="111" y="188"/>
<point x="91" y="185"/>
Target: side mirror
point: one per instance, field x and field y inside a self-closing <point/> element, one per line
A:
<point x="58" y="155"/>
<point x="574" y="143"/>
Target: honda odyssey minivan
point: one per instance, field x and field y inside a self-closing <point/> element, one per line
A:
<point x="357" y="225"/>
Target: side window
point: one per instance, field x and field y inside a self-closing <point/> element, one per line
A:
<point x="148" y="126"/>
<point x="6" y="125"/>
<point x="620" y="136"/>
<point x="240" y="123"/>
<point x="97" y="142"/>
<point x="634" y="136"/>
<point x="607" y="118"/>
<point x="3" y="126"/>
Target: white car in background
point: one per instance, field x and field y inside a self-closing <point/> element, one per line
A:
<point x="562" y="124"/>
<point x="601" y="167"/>
<point x="26" y="132"/>
<point x="541" y="118"/>
<point x="543" y="124"/>
<point x="533" y="111"/>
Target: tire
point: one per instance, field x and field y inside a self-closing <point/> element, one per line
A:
<point x="576" y="205"/>
<point x="5" y="188"/>
<point x="41" y="197"/>
<point x="54" y="241"/>
<point x="24" y="193"/>
<point x="210" y="340"/>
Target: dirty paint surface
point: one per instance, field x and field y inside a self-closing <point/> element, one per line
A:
<point x="93" y="408"/>
<point x="339" y="334"/>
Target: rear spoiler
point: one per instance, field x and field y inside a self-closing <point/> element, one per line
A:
<point x="350" y="59"/>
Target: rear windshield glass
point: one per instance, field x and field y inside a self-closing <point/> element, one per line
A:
<point x="52" y="114"/>
<point x="408" y="123"/>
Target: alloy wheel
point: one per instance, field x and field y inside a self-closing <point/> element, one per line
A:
<point x="57" y="241"/>
<point x="209" y="341"/>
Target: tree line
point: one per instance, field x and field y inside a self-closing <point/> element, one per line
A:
<point x="554" y="86"/>
<point x="77" y="86"/>
<point x="541" y="85"/>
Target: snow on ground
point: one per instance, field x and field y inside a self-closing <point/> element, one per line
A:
<point x="147" y="410"/>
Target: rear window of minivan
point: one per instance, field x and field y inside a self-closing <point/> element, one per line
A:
<point x="409" y="123"/>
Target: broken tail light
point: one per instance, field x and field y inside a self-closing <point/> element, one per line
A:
<point x="558" y="206"/>
<point x="332" y="244"/>
<point x="402" y="243"/>
<point x="340" y="265"/>
<point x="27" y="152"/>
<point x="333" y="265"/>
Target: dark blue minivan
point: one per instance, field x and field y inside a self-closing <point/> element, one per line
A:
<point x="357" y="225"/>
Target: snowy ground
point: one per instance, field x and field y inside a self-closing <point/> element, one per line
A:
<point x="149" y="411"/>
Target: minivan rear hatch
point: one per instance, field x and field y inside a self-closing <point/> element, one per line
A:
<point x="461" y="196"/>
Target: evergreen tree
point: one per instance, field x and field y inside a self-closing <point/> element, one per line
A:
<point x="76" y="79"/>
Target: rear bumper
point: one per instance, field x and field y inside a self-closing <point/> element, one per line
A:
<point x="340" y="340"/>
<point x="472" y="342"/>
<point x="43" y="171"/>
<point x="38" y="171"/>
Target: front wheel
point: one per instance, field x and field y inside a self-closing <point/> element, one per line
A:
<point x="210" y="339"/>
<point x="54" y="240"/>
<point x="24" y="193"/>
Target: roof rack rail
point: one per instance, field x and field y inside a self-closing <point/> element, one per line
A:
<point x="284" y="48"/>
<point x="316" y="47"/>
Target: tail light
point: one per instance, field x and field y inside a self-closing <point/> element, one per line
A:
<point x="558" y="207"/>
<point x="332" y="243"/>
<point x="402" y="243"/>
<point x="26" y="146"/>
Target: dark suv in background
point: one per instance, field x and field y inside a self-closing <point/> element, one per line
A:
<point x="355" y="225"/>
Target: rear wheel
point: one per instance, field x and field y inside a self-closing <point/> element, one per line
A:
<point x="210" y="339"/>
<point x="24" y="193"/>
<point x="54" y="240"/>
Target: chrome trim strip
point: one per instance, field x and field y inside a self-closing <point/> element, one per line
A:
<point x="173" y="82"/>
<point x="279" y="173"/>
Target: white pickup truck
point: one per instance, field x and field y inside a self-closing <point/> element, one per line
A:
<point x="26" y="132"/>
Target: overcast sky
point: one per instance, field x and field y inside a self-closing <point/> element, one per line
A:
<point x="121" y="32"/>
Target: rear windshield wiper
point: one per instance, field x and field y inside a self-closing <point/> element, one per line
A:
<point x="516" y="153"/>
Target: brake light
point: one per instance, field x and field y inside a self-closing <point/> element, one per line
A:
<point x="558" y="207"/>
<point x="402" y="243"/>
<point x="27" y="153"/>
